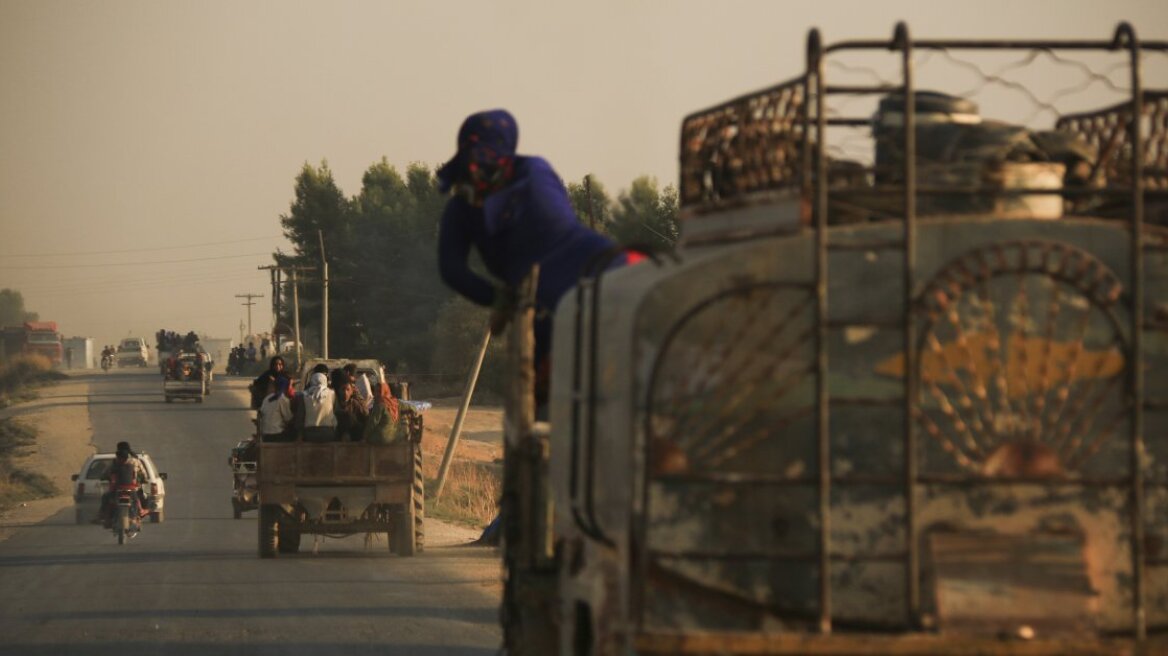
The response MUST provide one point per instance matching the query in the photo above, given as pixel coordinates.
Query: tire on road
(408, 537)
(269, 528)
(80, 516)
(289, 542)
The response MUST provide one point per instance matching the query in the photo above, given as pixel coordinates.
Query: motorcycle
(106, 363)
(127, 520)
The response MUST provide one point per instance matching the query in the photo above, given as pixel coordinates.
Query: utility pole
(324, 282)
(294, 280)
(249, 303)
(296, 316)
(588, 193)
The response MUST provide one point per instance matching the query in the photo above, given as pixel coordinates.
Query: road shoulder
(60, 414)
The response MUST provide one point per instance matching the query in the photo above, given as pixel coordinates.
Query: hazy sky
(147, 149)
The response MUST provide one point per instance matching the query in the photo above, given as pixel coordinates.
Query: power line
(112, 264)
(141, 250)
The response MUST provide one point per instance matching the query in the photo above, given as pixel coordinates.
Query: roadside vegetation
(22, 374)
(17, 484)
(470, 496)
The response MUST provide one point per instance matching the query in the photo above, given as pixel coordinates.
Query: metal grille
(1107, 131)
(749, 144)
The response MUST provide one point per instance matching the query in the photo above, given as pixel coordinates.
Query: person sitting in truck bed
(382, 424)
(276, 412)
(315, 410)
(350, 411)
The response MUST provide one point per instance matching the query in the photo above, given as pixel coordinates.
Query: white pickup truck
(132, 351)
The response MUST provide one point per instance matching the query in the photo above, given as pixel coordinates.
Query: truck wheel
(269, 531)
(199, 399)
(419, 495)
(409, 533)
(289, 541)
(80, 517)
(403, 533)
(170, 399)
(236, 511)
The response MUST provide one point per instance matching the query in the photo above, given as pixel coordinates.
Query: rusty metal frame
(811, 181)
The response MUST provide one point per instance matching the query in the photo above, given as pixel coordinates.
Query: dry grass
(18, 484)
(470, 495)
(21, 373)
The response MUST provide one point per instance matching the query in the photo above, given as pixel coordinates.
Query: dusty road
(193, 584)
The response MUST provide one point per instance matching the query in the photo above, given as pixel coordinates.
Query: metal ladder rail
(907, 245)
(1125, 36)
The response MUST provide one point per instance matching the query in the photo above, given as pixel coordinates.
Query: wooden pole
(456, 430)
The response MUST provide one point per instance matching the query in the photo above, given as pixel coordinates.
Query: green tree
(645, 215)
(594, 210)
(321, 209)
(12, 312)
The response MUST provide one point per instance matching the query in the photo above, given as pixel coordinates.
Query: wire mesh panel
(750, 144)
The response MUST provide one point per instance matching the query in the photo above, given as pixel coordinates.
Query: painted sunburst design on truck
(1021, 359)
(737, 369)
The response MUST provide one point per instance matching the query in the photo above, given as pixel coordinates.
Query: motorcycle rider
(126, 469)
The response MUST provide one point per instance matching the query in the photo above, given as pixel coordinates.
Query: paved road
(194, 585)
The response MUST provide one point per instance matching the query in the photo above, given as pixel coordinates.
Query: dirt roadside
(60, 414)
(482, 432)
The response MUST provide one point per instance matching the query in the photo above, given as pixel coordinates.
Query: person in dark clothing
(126, 469)
(351, 413)
(514, 210)
(259, 386)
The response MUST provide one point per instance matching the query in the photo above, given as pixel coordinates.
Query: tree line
(386, 300)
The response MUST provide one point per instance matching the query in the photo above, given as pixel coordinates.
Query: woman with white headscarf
(318, 422)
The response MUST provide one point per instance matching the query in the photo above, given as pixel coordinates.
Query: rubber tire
(80, 517)
(158, 516)
(199, 400)
(269, 531)
(170, 399)
(419, 494)
(289, 541)
(410, 531)
(123, 524)
(236, 510)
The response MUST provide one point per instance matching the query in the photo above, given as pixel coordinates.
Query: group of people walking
(338, 406)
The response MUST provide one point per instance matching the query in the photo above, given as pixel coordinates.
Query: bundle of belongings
(967, 165)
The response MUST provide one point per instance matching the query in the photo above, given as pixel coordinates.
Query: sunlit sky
(147, 149)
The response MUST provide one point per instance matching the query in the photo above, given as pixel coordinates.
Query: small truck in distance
(343, 488)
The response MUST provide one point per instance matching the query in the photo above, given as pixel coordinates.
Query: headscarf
(486, 141)
(365, 391)
(317, 387)
(385, 397)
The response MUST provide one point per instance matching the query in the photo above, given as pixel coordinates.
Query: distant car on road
(88, 487)
(132, 351)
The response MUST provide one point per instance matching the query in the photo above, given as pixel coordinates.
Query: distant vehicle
(133, 352)
(34, 338)
(88, 487)
(187, 379)
(350, 487)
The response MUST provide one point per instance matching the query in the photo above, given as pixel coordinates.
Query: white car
(88, 487)
(132, 352)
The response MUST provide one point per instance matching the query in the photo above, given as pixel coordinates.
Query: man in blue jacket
(514, 210)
